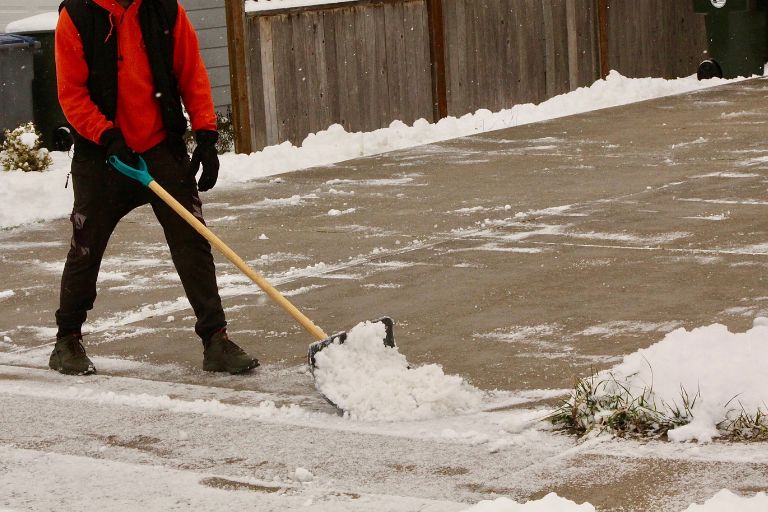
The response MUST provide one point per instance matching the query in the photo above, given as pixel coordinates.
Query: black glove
(113, 140)
(205, 153)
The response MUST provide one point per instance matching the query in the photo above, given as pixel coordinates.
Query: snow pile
(34, 196)
(708, 381)
(372, 382)
(29, 198)
(336, 144)
(549, 503)
(726, 501)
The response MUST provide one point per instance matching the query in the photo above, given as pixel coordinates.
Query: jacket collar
(112, 6)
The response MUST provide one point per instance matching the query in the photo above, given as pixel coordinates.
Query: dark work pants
(102, 197)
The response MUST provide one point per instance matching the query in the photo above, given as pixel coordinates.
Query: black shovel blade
(341, 337)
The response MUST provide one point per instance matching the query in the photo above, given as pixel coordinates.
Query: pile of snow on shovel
(372, 382)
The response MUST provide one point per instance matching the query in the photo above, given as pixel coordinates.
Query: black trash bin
(49, 118)
(737, 31)
(16, 75)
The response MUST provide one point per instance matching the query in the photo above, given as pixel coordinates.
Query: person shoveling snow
(129, 112)
(370, 381)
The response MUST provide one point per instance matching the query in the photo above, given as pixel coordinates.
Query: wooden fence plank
(332, 86)
(286, 88)
(271, 131)
(367, 32)
(437, 58)
(381, 100)
(257, 104)
(239, 72)
(397, 74)
(588, 42)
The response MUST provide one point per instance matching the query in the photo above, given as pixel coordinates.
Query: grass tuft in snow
(744, 425)
(601, 403)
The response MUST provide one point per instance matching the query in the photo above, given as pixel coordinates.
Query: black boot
(222, 355)
(68, 356)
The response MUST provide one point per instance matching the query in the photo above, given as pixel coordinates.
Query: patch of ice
(727, 174)
(372, 382)
(715, 217)
(624, 327)
(700, 140)
(746, 202)
(337, 213)
(629, 238)
(6, 294)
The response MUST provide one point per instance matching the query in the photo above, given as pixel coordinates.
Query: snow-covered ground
(32, 197)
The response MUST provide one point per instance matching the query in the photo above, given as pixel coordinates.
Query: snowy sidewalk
(518, 259)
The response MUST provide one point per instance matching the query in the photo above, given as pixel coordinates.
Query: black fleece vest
(157, 19)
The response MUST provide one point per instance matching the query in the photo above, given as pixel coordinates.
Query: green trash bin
(737, 31)
(49, 118)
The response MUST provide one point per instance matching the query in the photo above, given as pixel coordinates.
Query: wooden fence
(366, 63)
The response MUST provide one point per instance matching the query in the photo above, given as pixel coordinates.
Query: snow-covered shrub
(21, 150)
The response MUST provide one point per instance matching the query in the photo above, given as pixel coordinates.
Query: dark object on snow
(737, 31)
(68, 356)
(222, 355)
(709, 69)
(16, 75)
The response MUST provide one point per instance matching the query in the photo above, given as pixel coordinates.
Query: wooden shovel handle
(254, 276)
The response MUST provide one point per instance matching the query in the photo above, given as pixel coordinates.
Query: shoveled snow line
(712, 252)
(737, 453)
(265, 411)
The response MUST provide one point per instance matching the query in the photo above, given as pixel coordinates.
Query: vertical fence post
(602, 31)
(437, 58)
(572, 32)
(238, 75)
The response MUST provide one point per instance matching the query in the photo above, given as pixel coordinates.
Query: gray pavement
(520, 259)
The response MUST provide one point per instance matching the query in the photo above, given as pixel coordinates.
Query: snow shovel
(323, 340)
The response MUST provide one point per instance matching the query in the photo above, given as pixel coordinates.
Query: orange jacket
(138, 113)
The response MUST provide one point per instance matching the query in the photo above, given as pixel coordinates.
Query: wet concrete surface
(520, 259)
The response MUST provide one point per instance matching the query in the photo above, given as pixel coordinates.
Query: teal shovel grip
(141, 174)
